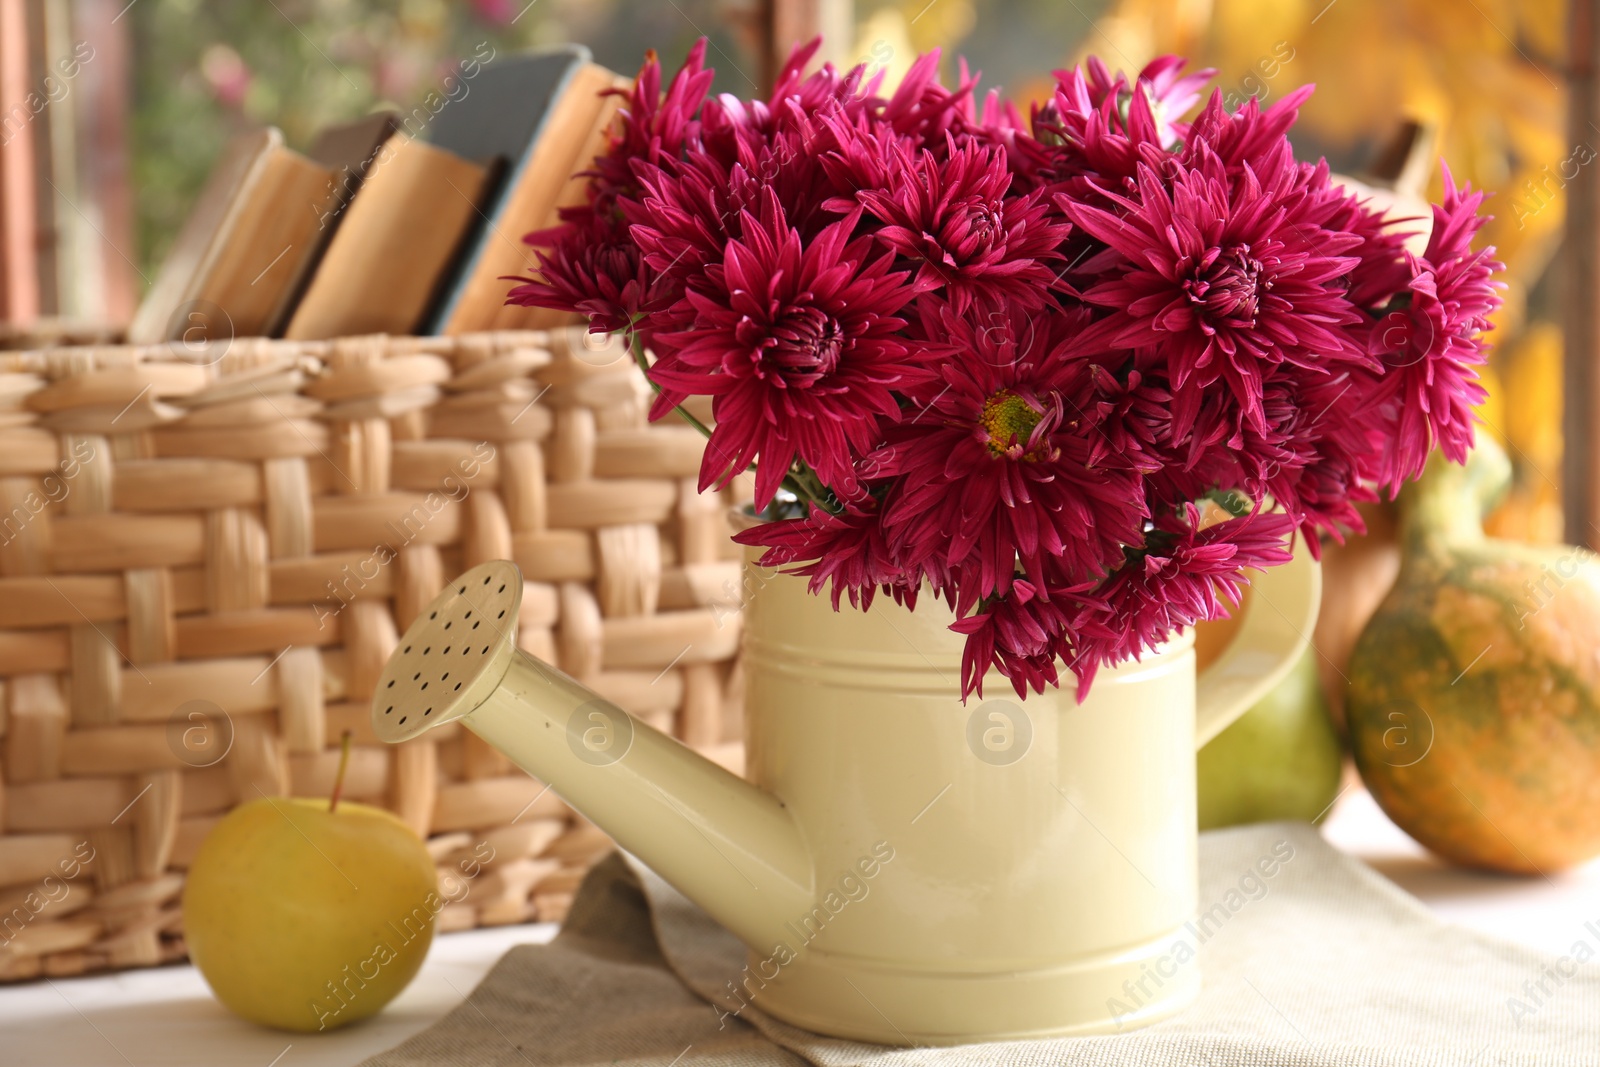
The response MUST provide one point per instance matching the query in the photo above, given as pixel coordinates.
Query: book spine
(456, 308)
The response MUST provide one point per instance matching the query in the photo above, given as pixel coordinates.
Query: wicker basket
(206, 557)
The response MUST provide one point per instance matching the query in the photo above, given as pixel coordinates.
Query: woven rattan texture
(207, 554)
(43, 333)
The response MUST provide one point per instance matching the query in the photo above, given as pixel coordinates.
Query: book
(395, 243)
(506, 115)
(348, 151)
(240, 248)
(533, 184)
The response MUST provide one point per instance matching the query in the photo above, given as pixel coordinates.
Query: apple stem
(338, 779)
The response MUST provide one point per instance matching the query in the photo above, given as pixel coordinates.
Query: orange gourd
(1474, 697)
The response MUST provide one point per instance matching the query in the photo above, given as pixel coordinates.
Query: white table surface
(165, 1016)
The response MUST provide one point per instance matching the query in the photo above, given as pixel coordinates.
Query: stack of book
(399, 224)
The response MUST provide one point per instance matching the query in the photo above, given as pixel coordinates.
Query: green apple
(306, 914)
(1281, 759)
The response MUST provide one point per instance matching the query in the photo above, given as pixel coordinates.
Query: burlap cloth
(1324, 963)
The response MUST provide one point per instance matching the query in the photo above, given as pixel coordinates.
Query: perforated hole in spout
(433, 675)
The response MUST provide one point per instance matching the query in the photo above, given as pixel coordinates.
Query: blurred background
(113, 117)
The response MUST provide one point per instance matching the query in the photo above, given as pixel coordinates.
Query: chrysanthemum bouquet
(1073, 373)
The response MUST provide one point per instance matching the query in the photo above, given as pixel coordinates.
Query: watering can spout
(730, 847)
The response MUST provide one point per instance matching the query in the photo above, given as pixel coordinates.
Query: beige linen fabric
(1323, 962)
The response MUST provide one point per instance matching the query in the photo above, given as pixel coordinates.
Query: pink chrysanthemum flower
(1131, 412)
(1181, 577)
(1217, 278)
(923, 111)
(1171, 93)
(1432, 347)
(992, 462)
(1242, 137)
(655, 126)
(1022, 634)
(797, 346)
(953, 219)
(606, 281)
(847, 549)
(1099, 127)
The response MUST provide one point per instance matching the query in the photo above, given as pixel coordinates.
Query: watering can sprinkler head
(454, 656)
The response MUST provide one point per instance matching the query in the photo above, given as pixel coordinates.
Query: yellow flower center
(1008, 420)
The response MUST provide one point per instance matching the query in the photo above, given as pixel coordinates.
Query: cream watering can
(903, 868)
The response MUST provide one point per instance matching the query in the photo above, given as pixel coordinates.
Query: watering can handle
(1278, 619)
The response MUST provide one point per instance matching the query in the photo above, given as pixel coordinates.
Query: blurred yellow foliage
(1486, 72)
(1531, 397)
(890, 37)
(936, 25)
(883, 43)
(1491, 412)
